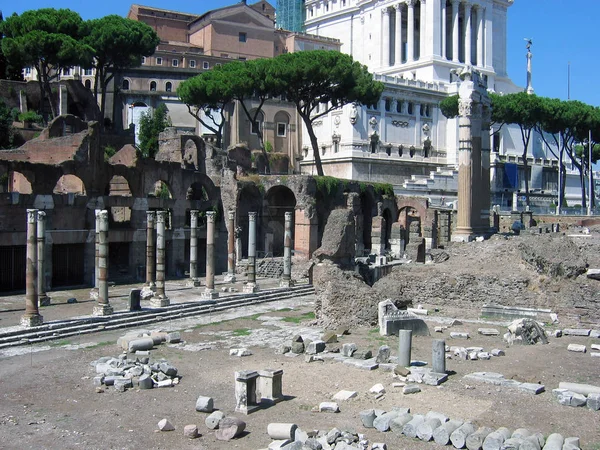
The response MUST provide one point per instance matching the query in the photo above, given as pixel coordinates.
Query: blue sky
(563, 31)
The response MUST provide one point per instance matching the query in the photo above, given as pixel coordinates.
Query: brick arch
(421, 205)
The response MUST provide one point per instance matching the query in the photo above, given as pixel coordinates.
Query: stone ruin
(391, 320)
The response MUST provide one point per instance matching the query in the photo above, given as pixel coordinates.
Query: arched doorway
(134, 116)
(69, 184)
(278, 201)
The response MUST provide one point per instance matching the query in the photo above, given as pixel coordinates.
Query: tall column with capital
(286, 279)
(251, 285)
(480, 35)
(465, 201)
(210, 292)
(32, 317)
(103, 307)
(230, 277)
(410, 35)
(43, 299)
(398, 37)
(468, 32)
(455, 29)
(194, 280)
(150, 257)
(485, 168)
(385, 37)
(422, 29)
(160, 299)
(96, 247)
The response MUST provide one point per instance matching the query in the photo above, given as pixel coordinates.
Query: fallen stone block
(173, 337)
(488, 332)
(460, 435)
(315, 347)
(168, 369)
(345, 395)
(498, 352)
(145, 382)
(554, 442)
(585, 389)
(595, 346)
(165, 383)
(475, 440)
(382, 423)
(331, 407)
(441, 435)
(398, 422)
(499, 380)
(459, 335)
(378, 446)
(571, 443)
(434, 379)
(279, 444)
(282, 431)
(239, 352)
(483, 355)
(368, 364)
(576, 348)
(332, 435)
(349, 349)
(140, 344)
(410, 428)
(426, 429)
(593, 401)
(383, 354)
(411, 389)
(230, 428)
(569, 398)
(212, 421)
(204, 404)
(595, 334)
(367, 417)
(576, 331)
(438, 329)
(190, 431)
(377, 389)
(329, 337)
(595, 354)
(165, 425)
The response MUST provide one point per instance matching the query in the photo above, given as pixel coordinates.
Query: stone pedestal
(270, 385)
(160, 299)
(231, 233)
(103, 307)
(150, 256)
(245, 391)
(194, 281)
(43, 299)
(250, 288)
(102, 310)
(210, 292)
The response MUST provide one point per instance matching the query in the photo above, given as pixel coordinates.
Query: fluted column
(455, 32)
(160, 299)
(410, 35)
(230, 277)
(398, 44)
(385, 37)
(32, 316)
(423, 30)
(194, 280)
(465, 169)
(251, 285)
(150, 257)
(444, 52)
(103, 307)
(43, 299)
(485, 168)
(480, 35)
(468, 33)
(286, 279)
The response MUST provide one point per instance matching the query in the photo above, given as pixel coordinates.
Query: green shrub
(30, 116)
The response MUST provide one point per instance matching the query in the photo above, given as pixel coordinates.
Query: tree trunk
(582, 182)
(314, 142)
(562, 177)
(48, 90)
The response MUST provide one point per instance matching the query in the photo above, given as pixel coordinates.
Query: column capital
(161, 216)
(252, 216)
(102, 215)
(288, 215)
(455, 2)
(465, 107)
(41, 216)
(32, 215)
(411, 3)
(194, 218)
(385, 11)
(210, 216)
(398, 6)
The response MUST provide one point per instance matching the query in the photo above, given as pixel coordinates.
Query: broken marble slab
(499, 380)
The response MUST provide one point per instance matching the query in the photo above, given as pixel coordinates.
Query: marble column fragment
(251, 285)
(231, 256)
(404, 347)
(150, 257)
(438, 355)
(32, 316)
(96, 247)
(194, 280)
(286, 279)
(43, 299)
(160, 299)
(103, 307)
(210, 292)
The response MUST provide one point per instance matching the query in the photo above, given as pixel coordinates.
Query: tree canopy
(49, 40)
(151, 125)
(118, 43)
(9, 70)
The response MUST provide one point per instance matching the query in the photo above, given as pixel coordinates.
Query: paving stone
(329, 407)
(382, 423)
(348, 349)
(576, 348)
(576, 331)
(190, 431)
(499, 380)
(165, 425)
(595, 334)
(387, 367)
(212, 421)
(593, 401)
(367, 417)
(204, 404)
(569, 398)
(411, 389)
(402, 371)
(367, 354)
(345, 395)
(315, 347)
(377, 389)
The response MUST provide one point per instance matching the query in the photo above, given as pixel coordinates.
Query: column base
(102, 310)
(250, 288)
(94, 294)
(151, 285)
(160, 302)
(210, 294)
(146, 293)
(44, 301)
(229, 278)
(287, 283)
(462, 237)
(32, 321)
(193, 282)
(247, 409)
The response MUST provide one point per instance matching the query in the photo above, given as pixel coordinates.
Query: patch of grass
(241, 332)
(60, 343)
(285, 310)
(253, 316)
(101, 344)
(305, 316)
(304, 407)
(374, 331)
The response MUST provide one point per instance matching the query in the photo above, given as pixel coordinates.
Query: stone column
(385, 37)
(286, 280)
(230, 277)
(480, 35)
(210, 292)
(484, 195)
(194, 280)
(410, 36)
(404, 347)
(464, 225)
(160, 299)
(455, 25)
(423, 30)
(150, 257)
(468, 33)
(398, 47)
(251, 285)
(438, 355)
(32, 317)
(43, 299)
(444, 53)
(103, 307)
(96, 246)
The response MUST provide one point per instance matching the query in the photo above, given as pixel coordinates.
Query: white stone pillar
(96, 246)
(385, 37)
(160, 299)
(150, 257)
(410, 35)
(488, 30)
(455, 26)
(103, 307)
(230, 277)
(423, 30)
(32, 317)
(43, 299)
(286, 280)
(398, 42)
(194, 280)
(210, 292)
(480, 35)
(444, 52)
(468, 33)
(251, 285)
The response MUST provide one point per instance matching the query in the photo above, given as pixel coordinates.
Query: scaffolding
(291, 15)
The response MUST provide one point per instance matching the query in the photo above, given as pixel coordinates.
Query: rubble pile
(125, 373)
(525, 331)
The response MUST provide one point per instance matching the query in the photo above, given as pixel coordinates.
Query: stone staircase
(443, 179)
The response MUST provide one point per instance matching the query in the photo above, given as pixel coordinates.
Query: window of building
(399, 106)
(192, 64)
(343, 3)
(158, 61)
(168, 86)
(27, 70)
(88, 84)
(327, 7)
(254, 127)
(242, 37)
(66, 71)
(410, 108)
(242, 58)
(224, 55)
(143, 60)
(205, 65)
(175, 62)
(153, 85)
(422, 110)
(388, 104)
(336, 146)
(125, 85)
(281, 129)
(88, 72)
